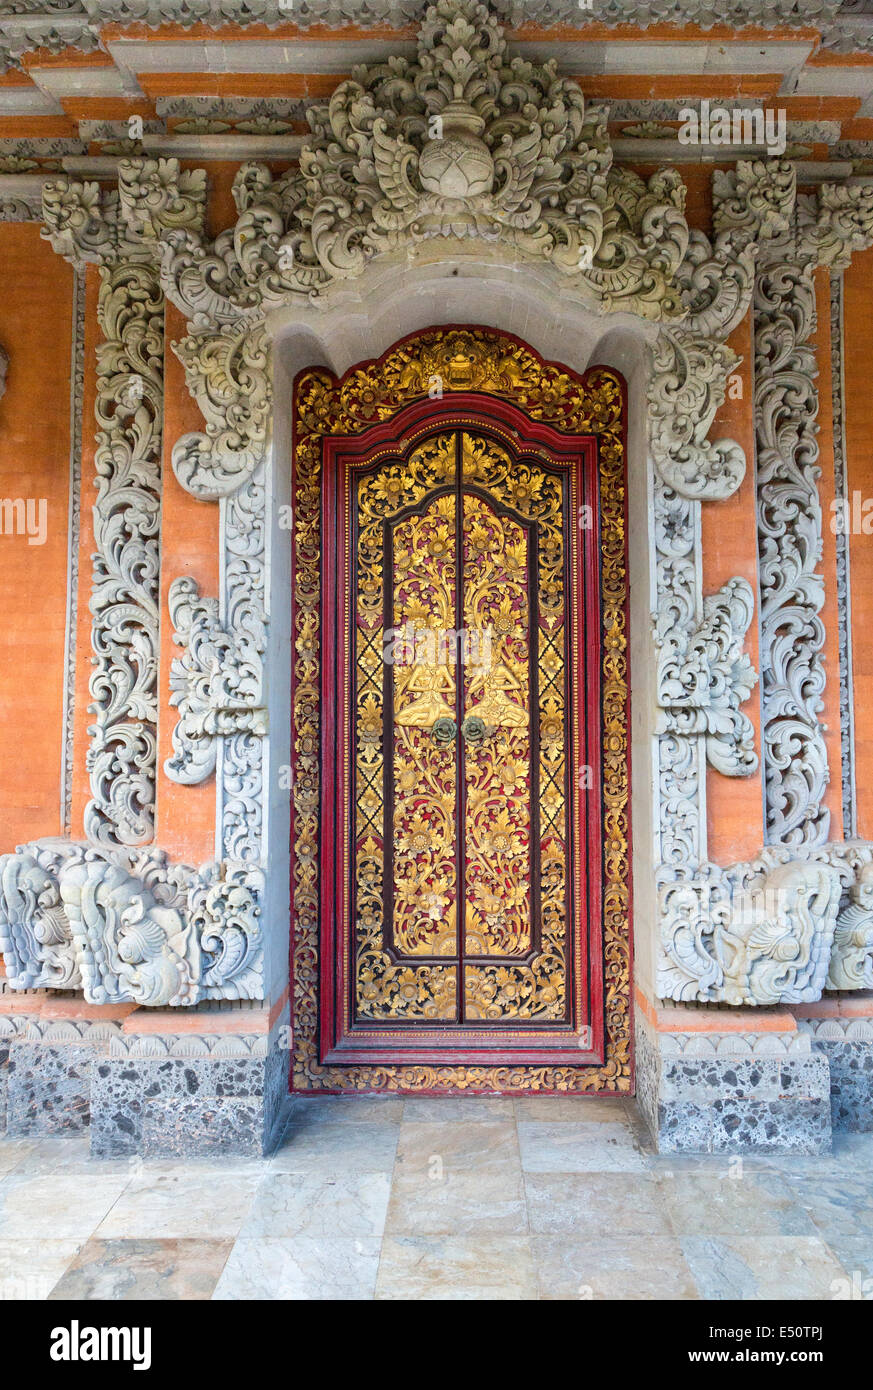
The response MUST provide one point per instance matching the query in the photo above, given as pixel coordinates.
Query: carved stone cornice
(129, 926)
(90, 224)
(217, 684)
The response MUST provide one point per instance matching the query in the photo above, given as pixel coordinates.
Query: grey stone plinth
(155, 1095)
(848, 1046)
(148, 1097)
(733, 1093)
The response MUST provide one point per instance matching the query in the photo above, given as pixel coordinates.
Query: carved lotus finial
(455, 162)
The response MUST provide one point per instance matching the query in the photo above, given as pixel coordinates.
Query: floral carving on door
(460, 707)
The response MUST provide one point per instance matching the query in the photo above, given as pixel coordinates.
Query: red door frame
(576, 454)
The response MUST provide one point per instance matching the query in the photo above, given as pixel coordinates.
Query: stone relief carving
(704, 676)
(841, 544)
(415, 152)
(789, 510)
(753, 934)
(129, 926)
(851, 965)
(125, 586)
(216, 685)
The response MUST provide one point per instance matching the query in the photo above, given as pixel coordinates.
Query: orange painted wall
(82, 719)
(729, 547)
(36, 330)
(858, 369)
(185, 821)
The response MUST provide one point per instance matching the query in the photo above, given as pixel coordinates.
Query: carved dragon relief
(460, 143)
(129, 926)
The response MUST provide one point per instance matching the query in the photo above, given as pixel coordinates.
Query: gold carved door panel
(462, 739)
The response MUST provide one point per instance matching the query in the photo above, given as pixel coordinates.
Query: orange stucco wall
(729, 547)
(36, 331)
(185, 820)
(858, 369)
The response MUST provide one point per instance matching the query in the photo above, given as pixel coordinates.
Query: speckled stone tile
(318, 1205)
(336, 1148)
(787, 1268)
(301, 1267)
(593, 1205)
(456, 1267)
(29, 1269)
(305, 1111)
(568, 1147)
(734, 1202)
(56, 1205)
(48, 1088)
(175, 1207)
(851, 1070)
(581, 1109)
(122, 1270)
(428, 1148)
(839, 1203)
(473, 1203)
(614, 1267)
(447, 1109)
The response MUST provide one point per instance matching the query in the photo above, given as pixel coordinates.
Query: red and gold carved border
(484, 361)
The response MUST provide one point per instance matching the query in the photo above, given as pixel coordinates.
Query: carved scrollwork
(704, 676)
(124, 598)
(754, 934)
(130, 926)
(216, 685)
(851, 965)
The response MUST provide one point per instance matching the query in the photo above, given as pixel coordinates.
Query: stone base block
(848, 1046)
(733, 1093)
(154, 1095)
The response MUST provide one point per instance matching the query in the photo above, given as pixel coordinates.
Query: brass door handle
(474, 729)
(444, 731)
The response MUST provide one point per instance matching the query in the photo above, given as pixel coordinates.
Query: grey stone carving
(126, 576)
(704, 676)
(851, 964)
(753, 934)
(789, 509)
(129, 926)
(844, 583)
(216, 685)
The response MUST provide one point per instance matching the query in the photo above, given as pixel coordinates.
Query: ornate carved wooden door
(462, 736)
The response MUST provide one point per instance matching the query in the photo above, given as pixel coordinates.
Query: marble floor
(425, 1198)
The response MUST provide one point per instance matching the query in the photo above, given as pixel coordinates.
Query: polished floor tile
(145, 1269)
(591, 1205)
(438, 1198)
(173, 1207)
(343, 1147)
(575, 1147)
(319, 1206)
(301, 1267)
(611, 1267)
(456, 1267)
(466, 1202)
(30, 1269)
(755, 1267)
